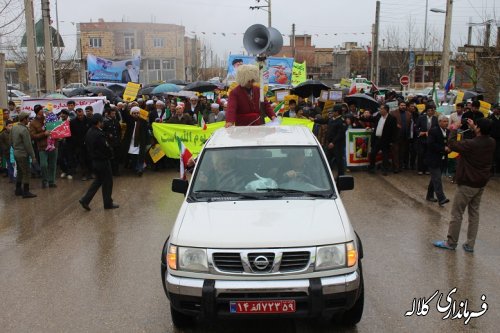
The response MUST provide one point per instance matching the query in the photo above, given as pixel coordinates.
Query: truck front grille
(228, 262)
(294, 261)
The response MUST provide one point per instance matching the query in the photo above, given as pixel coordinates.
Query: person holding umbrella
(244, 100)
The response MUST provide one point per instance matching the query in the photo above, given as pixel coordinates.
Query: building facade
(160, 46)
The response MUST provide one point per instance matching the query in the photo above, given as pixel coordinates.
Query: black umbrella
(469, 94)
(146, 91)
(96, 90)
(117, 89)
(79, 92)
(310, 87)
(177, 82)
(363, 101)
(200, 86)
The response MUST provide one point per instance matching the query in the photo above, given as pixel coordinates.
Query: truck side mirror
(345, 183)
(180, 186)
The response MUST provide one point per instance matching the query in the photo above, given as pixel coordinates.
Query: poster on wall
(110, 71)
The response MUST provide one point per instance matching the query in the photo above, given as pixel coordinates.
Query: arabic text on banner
(299, 74)
(131, 91)
(58, 104)
(194, 137)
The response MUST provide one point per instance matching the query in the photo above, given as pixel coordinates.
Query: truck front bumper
(313, 297)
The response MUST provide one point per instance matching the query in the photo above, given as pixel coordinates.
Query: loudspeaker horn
(259, 39)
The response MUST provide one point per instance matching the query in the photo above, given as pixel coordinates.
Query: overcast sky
(349, 20)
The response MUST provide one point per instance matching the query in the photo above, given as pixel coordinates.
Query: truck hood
(260, 224)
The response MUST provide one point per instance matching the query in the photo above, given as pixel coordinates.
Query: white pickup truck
(263, 232)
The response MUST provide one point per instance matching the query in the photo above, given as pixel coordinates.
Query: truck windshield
(263, 172)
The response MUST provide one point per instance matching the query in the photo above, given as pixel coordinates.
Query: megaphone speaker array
(259, 39)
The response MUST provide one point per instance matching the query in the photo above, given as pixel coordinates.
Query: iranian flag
(58, 129)
(185, 155)
(280, 108)
(201, 121)
(352, 89)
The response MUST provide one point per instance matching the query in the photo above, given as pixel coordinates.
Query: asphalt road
(63, 269)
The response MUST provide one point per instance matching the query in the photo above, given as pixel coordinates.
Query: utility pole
(3, 84)
(372, 56)
(425, 42)
(58, 45)
(33, 74)
(293, 40)
(375, 72)
(487, 34)
(269, 13)
(445, 61)
(47, 48)
(194, 59)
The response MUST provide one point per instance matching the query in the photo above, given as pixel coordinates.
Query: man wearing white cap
(160, 109)
(215, 114)
(135, 140)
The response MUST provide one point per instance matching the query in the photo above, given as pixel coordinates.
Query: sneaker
(443, 202)
(69, 177)
(84, 178)
(431, 199)
(443, 245)
(467, 248)
(420, 173)
(63, 175)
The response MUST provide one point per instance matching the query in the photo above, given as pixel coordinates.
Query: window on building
(154, 64)
(169, 64)
(129, 39)
(158, 42)
(95, 42)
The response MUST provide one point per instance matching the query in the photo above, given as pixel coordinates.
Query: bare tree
(11, 17)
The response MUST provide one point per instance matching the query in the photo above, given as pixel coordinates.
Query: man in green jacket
(23, 149)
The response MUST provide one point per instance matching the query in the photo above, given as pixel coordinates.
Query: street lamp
(268, 10)
(434, 10)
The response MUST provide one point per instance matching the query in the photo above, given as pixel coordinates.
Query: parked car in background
(70, 87)
(17, 96)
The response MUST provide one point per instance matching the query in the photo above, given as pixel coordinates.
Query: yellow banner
(420, 108)
(1, 119)
(287, 100)
(131, 91)
(328, 107)
(345, 83)
(144, 114)
(299, 73)
(156, 153)
(194, 137)
(460, 97)
(485, 108)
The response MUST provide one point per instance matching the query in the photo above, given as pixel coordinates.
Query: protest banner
(299, 73)
(131, 91)
(1, 119)
(358, 148)
(392, 105)
(194, 137)
(280, 95)
(420, 108)
(276, 71)
(323, 96)
(58, 104)
(105, 70)
(460, 97)
(144, 114)
(156, 153)
(335, 95)
(485, 108)
(345, 83)
(328, 107)
(58, 129)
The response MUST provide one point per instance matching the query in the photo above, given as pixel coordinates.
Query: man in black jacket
(437, 152)
(335, 138)
(79, 127)
(113, 132)
(383, 136)
(426, 121)
(100, 153)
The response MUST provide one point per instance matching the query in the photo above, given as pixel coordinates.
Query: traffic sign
(404, 80)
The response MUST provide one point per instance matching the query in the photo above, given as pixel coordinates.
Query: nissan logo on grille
(261, 262)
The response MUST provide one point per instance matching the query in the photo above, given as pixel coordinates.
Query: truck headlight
(330, 257)
(192, 259)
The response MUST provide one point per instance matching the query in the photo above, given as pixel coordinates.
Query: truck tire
(180, 319)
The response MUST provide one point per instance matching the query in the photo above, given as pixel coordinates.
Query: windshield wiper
(226, 193)
(284, 191)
